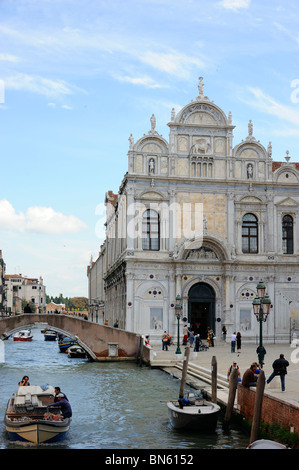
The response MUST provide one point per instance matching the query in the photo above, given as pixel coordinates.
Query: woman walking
(239, 340)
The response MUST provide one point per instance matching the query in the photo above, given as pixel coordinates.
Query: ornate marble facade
(199, 217)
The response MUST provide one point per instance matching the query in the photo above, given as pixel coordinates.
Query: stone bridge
(102, 343)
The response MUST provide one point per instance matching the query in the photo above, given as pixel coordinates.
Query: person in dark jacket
(64, 405)
(249, 379)
(279, 368)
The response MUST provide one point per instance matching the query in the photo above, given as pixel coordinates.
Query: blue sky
(77, 77)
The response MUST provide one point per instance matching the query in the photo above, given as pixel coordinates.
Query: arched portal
(201, 308)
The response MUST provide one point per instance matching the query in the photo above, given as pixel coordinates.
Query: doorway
(201, 308)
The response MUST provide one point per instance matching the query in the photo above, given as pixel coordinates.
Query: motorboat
(266, 444)
(50, 335)
(65, 343)
(193, 414)
(27, 417)
(23, 335)
(76, 351)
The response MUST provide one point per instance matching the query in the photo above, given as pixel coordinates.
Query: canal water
(115, 405)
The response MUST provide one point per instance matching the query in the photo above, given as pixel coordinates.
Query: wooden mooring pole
(214, 379)
(260, 386)
(233, 381)
(184, 372)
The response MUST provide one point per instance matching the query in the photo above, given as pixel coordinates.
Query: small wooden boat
(193, 414)
(23, 335)
(65, 343)
(50, 335)
(76, 351)
(27, 418)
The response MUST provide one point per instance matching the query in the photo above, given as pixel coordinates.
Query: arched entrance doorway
(201, 308)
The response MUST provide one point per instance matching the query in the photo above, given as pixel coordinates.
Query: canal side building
(199, 217)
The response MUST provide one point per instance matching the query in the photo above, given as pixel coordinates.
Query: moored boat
(23, 335)
(193, 414)
(66, 342)
(76, 351)
(266, 444)
(27, 418)
(50, 335)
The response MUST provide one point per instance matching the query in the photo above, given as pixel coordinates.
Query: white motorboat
(27, 417)
(76, 351)
(23, 335)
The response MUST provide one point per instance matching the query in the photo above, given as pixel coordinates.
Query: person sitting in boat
(63, 404)
(57, 392)
(25, 381)
(146, 342)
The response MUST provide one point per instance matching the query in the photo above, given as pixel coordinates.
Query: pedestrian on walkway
(233, 342)
(211, 337)
(279, 368)
(224, 331)
(230, 369)
(196, 342)
(239, 341)
(165, 340)
(191, 338)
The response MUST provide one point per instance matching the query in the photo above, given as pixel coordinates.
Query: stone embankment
(278, 407)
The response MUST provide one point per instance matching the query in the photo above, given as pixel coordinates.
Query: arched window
(249, 234)
(150, 230)
(287, 235)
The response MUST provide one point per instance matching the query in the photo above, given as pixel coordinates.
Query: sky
(78, 77)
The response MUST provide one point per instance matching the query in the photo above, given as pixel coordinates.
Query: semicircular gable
(249, 150)
(287, 176)
(204, 113)
(152, 145)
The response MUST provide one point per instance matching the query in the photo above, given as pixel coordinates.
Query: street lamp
(261, 309)
(178, 313)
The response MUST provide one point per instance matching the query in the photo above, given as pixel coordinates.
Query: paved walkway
(224, 359)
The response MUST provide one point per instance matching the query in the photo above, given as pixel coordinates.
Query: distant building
(52, 307)
(20, 288)
(203, 219)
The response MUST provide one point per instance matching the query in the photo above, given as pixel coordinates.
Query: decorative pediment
(250, 200)
(288, 202)
(151, 196)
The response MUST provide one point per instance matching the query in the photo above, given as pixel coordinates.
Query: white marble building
(199, 217)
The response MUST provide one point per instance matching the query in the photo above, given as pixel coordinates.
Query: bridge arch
(93, 338)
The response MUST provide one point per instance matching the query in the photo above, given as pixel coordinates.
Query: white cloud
(235, 4)
(46, 220)
(9, 219)
(268, 105)
(37, 84)
(38, 219)
(174, 63)
(8, 58)
(143, 81)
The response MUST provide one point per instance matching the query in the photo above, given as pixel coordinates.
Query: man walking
(279, 368)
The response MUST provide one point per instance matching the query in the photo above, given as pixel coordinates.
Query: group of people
(236, 340)
(251, 375)
(60, 399)
(192, 339)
